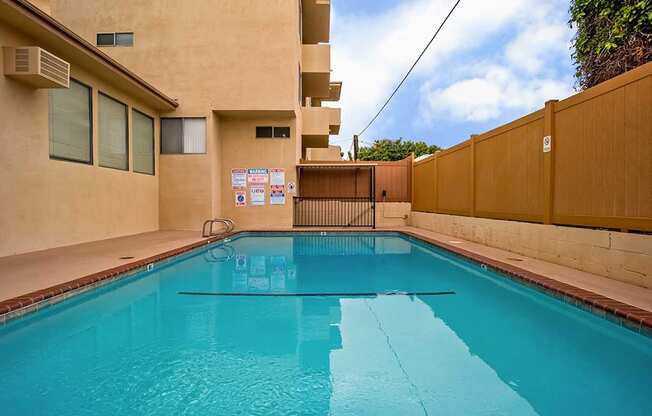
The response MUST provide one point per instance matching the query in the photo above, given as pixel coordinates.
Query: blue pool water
(138, 347)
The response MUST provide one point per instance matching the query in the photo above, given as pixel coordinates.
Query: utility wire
(411, 68)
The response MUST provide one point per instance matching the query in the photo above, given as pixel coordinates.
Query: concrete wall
(392, 214)
(621, 256)
(48, 203)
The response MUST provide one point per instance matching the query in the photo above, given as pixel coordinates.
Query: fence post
(548, 148)
(472, 139)
(434, 182)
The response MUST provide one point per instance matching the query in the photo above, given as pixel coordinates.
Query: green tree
(388, 150)
(613, 36)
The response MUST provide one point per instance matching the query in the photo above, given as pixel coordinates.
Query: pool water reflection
(494, 347)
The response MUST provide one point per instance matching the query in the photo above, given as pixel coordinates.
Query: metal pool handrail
(228, 224)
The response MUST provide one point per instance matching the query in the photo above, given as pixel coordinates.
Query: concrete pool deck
(27, 277)
(25, 273)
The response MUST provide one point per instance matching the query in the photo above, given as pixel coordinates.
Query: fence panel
(597, 171)
(603, 158)
(509, 171)
(394, 179)
(423, 198)
(454, 191)
(343, 182)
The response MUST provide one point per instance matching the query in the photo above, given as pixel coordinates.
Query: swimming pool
(163, 343)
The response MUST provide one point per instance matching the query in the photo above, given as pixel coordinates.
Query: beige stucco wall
(622, 256)
(240, 149)
(47, 203)
(392, 214)
(329, 153)
(220, 59)
(233, 54)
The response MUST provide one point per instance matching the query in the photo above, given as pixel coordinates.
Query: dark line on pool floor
(414, 388)
(350, 295)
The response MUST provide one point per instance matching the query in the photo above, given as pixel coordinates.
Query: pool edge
(628, 316)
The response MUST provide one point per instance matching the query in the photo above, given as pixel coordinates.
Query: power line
(411, 68)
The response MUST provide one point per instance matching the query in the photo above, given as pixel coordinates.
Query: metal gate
(334, 212)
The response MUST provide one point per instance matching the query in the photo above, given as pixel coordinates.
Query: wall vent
(36, 67)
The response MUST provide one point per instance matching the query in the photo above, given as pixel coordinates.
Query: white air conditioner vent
(36, 67)
(22, 60)
(56, 69)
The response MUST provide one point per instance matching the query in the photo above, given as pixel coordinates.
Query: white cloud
(372, 52)
(534, 47)
(485, 98)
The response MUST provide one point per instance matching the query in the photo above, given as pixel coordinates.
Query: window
(281, 132)
(268, 132)
(115, 39)
(264, 132)
(114, 148)
(106, 39)
(70, 123)
(143, 142)
(183, 135)
(124, 39)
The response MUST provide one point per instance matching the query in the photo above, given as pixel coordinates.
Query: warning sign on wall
(277, 177)
(238, 178)
(277, 195)
(240, 198)
(257, 176)
(257, 195)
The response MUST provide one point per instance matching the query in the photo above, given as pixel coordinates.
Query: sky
(493, 62)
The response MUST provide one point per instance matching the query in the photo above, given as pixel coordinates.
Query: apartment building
(247, 77)
(246, 69)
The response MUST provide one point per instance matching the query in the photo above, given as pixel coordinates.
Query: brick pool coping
(636, 319)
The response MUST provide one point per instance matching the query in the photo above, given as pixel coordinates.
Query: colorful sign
(277, 177)
(257, 195)
(238, 178)
(257, 176)
(277, 195)
(292, 188)
(240, 198)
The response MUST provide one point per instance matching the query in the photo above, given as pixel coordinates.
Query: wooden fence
(597, 171)
(395, 179)
(349, 180)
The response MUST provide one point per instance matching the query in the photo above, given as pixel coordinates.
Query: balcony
(334, 92)
(335, 120)
(318, 124)
(316, 21)
(316, 70)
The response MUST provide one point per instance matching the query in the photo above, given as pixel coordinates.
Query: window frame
(91, 125)
(115, 39)
(99, 139)
(104, 33)
(153, 142)
(182, 130)
(274, 136)
(273, 133)
(133, 38)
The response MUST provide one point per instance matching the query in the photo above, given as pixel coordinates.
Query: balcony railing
(334, 212)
